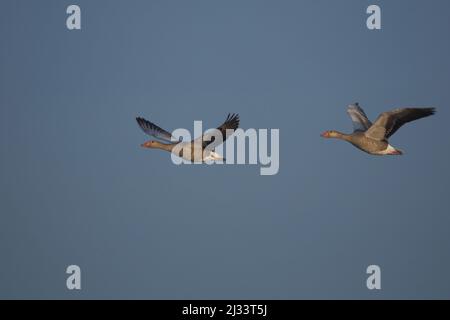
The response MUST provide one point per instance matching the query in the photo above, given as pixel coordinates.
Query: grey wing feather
(389, 122)
(231, 123)
(359, 118)
(153, 130)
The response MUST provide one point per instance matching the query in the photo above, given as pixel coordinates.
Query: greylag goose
(200, 149)
(373, 138)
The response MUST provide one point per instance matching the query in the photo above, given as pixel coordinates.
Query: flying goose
(373, 138)
(200, 148)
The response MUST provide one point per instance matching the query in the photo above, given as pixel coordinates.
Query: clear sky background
(76, 188)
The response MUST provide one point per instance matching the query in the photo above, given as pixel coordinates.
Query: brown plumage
(373, 138)
(199, 149)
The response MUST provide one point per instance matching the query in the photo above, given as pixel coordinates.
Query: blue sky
(77, 188)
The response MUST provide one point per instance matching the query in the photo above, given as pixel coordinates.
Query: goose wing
(359, 118)
(231, 123)
(389, 122)
(153, 130)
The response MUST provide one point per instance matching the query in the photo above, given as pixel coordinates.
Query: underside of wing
(153, 130)
(359, 118)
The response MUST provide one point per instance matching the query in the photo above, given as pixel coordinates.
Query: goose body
(373, 138)
(199, 149)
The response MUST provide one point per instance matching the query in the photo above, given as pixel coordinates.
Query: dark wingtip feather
(425, 112)
(141, 122)
(146, 125)
(234, 120)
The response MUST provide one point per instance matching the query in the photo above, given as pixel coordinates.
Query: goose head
(330, 134)
(149, 144)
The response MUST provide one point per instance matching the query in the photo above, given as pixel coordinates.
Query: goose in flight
(373, 138)
(199, 149)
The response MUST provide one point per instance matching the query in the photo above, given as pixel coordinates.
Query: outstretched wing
(231, 123)
(359, 118)
(389, 122)
(153, 130)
